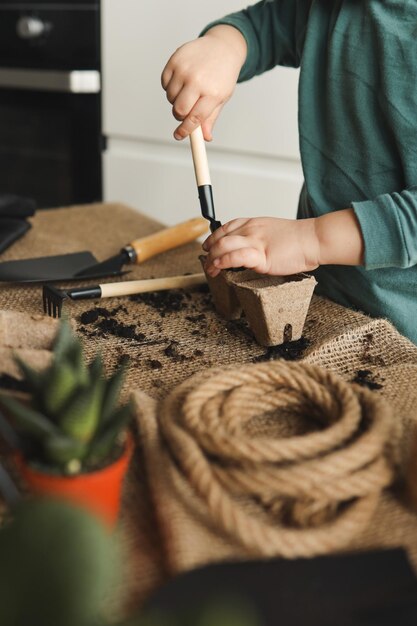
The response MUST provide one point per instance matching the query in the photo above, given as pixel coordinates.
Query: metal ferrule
(205, 195)
(130, 253)
(85, 293)
(214, 225)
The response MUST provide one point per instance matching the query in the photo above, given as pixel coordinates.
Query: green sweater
(358, 132)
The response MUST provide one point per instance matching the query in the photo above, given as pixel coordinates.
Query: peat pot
(275, 306)
(223, 293)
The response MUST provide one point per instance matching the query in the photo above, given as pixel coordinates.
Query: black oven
(50, 101)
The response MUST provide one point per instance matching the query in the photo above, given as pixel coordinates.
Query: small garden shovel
(83, 265)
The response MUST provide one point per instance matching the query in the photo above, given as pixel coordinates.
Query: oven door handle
(74, 81)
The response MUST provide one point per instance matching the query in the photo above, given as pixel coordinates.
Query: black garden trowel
(84, 265)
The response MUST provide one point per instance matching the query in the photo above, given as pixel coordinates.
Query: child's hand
(200, 77)
(267, 245)
(270, 245)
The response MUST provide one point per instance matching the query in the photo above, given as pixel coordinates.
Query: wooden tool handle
(198, 149)
(130, 287)
(169, 238)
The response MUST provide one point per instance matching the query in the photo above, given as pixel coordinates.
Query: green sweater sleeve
(389, 228)
(274, 31)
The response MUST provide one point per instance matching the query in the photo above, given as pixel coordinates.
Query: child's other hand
(267, 245)
(200, 77)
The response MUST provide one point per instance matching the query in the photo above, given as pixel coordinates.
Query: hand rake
(54, 298)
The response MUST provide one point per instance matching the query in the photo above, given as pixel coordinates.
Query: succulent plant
(74, 420)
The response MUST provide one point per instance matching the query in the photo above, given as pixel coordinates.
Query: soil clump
(164, 302)
(13, 384)
(289, 351)
(365, 378)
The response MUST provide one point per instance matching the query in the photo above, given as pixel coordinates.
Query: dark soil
(164, 302)
(289, 351)
(118, 329)
(154, 364)
(367, 356)
(123, 359)
(109, 325)
(240, 328)
(13, 384)
(365, 378)
(196, 318)
(174, 354)
(91, 316)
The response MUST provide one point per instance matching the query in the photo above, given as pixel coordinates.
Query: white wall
(254, 159)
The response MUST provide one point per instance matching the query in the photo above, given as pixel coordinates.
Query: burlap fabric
(190, 536)
(173, 338)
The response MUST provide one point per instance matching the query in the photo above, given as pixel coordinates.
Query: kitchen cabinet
(254, 158)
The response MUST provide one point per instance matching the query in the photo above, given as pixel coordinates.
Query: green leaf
(77, 360)
(61, 384)
(81, 417)
(112, 393)
(60, 450)
(68, 347)
(34, 378)
(27, 420)
(95, 368)
(64, 341)
(103, 443)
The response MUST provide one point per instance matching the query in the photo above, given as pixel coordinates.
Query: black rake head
(53, 299)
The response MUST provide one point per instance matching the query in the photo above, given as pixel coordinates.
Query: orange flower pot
(99, 492)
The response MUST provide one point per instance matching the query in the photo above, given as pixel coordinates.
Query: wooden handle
(198, 149)
(130, 287)
(169, 238)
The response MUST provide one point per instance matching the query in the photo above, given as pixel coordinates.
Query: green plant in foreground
(74, 420)
(59, 566)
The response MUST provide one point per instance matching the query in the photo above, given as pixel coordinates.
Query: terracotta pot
(99, 491)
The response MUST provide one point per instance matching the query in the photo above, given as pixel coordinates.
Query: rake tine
(53, 299)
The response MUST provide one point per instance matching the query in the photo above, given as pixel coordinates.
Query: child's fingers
(208, 125)
(173, 88)
(166, 75)
(200, 112)
(225, 229)
(251, 258)
(228, 244)
(185, 102)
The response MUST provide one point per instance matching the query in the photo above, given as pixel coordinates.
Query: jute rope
(295, 496)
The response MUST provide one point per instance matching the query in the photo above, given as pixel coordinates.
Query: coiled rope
(296, 496)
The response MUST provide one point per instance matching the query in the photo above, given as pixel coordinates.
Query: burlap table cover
(171, 339)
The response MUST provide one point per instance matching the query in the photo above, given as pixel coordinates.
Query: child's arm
(281, 247)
